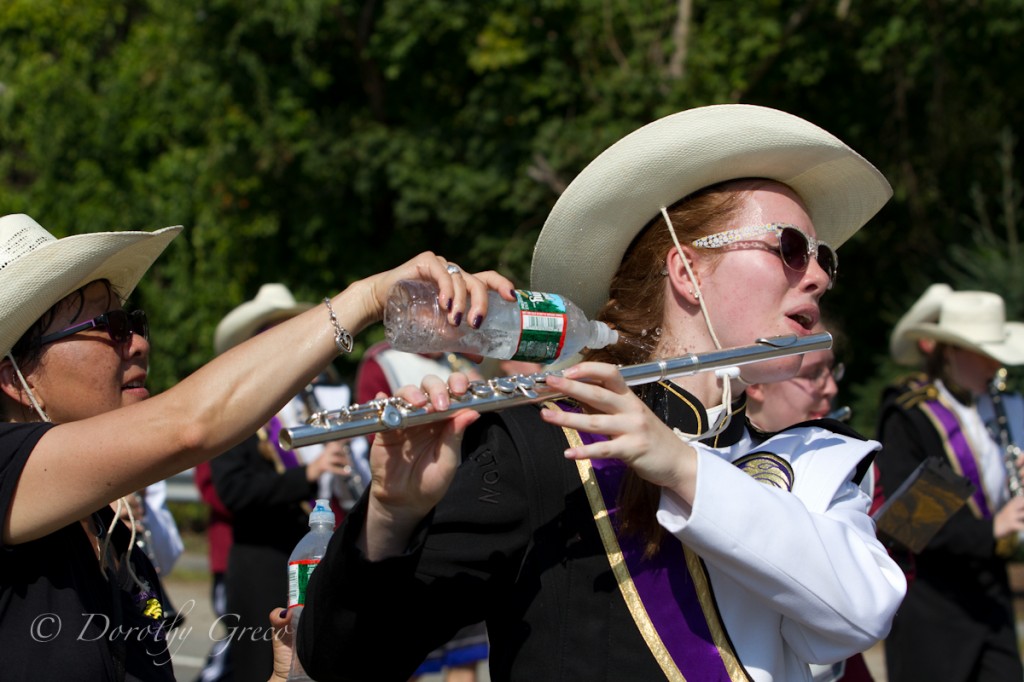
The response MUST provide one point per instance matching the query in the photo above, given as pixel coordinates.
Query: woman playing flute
(623, 535)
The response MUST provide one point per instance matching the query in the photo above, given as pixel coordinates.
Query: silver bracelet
(342, 339)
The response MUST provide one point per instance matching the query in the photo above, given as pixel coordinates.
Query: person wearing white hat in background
(79, 430)
(273, 304)
(957, 621)
(643, 535)
(268, 490)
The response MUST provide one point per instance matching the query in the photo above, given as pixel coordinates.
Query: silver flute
(386, 414)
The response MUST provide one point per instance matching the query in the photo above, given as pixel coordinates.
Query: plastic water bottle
(536, 327)
(304, 559)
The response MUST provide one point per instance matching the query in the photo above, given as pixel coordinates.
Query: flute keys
(481, 390)
(506, 385)
(526, 385)
(391, 416)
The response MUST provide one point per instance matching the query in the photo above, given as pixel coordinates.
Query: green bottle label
(544, 323)
(298, 578)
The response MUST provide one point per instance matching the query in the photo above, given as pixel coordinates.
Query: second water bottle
(301, 564)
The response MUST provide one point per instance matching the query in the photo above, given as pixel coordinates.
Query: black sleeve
(245, 480)
(907, 439)
(462, 560)
(16, 444)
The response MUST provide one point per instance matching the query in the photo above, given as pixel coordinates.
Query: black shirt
(60, 617)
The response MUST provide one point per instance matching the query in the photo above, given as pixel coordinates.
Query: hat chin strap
(24, 384)
(726, 375)
(689, 271)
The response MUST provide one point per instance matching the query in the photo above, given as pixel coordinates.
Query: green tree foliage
(316, 141)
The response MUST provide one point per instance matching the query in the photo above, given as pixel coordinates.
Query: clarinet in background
(1010, 450)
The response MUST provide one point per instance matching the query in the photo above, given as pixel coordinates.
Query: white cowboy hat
(37, 270)
(273, 303)
(610, 201)
(904, 349)
(975, 320)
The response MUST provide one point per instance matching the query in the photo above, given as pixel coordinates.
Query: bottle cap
(322, 513)
(601, 335)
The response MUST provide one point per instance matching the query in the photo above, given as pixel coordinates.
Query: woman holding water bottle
(79, 431)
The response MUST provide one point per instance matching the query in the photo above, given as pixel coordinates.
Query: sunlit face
(808, 395)
(970, 370)
(86, 374)
(751, 294)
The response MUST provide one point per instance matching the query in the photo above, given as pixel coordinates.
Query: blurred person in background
(957, 622)
(156, 525)
(267, 490)
(217, 667)
(775, 406)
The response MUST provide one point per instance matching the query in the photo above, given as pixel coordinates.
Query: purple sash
(669, 595)
(288, 458)
(959, 452)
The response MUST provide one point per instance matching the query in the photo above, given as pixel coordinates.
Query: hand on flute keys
(635, 435)
(411, 469)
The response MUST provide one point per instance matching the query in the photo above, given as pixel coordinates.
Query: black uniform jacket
(513, 543)
(959, 596)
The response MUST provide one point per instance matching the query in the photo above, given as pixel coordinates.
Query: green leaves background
(314, 142)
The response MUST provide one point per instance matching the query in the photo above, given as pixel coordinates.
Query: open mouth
(805, 321)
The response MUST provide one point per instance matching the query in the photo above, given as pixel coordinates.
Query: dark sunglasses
(119, 325)
(795, 247)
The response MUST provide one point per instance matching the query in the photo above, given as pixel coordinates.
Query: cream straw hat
(975, 320)
(37, 270)
(273, 303)
(904, 349)
(617, 194)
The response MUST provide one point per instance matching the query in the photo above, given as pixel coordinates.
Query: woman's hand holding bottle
(462, 294)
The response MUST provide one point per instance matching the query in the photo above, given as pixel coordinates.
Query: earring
(694, 292)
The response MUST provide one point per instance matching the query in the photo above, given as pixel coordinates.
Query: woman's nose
(136, 345)
(815, 279)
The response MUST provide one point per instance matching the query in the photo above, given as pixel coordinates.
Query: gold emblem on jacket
(767, 468)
